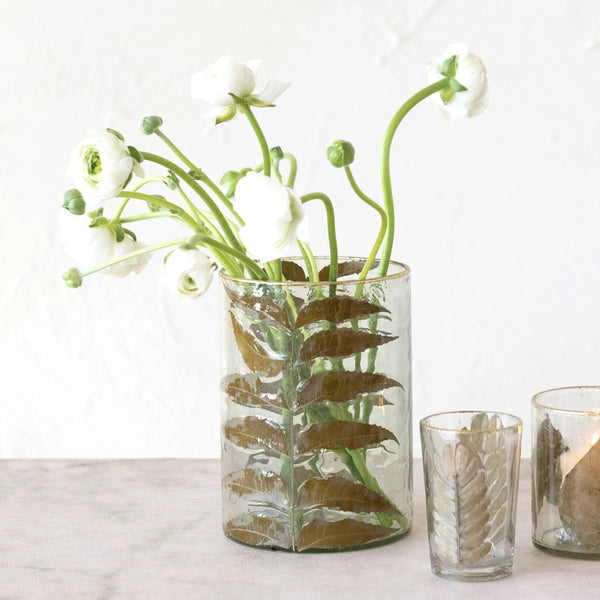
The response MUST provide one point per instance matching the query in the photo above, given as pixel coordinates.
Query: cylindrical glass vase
(316, 412)
(566, 471)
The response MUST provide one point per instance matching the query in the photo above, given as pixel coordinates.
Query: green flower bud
(73, 201)
(276, 153)
(172, 181)
(73, 278)
(341, 153)
(151, 124)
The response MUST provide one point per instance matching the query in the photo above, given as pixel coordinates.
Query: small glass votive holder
(471, 468)
(565, 471)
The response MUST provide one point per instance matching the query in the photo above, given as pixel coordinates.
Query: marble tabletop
(151, 529)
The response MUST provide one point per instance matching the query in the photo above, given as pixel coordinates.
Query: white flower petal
(471, 73)
(94, 246)
(272, 90)
(113, 166)
(222, 78)
(187, 272)
(272, 213)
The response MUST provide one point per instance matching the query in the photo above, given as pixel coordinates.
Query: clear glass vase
(316, 412)
(566, 471)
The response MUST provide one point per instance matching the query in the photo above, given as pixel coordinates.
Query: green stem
(146, 216)
(200, 218)
(200, 191)
(145, 250)
(185, 217)
(203, 177)
(224, 199)
(135, 188)
(386, 180)
(228, 263)
(180, 155)
(261, 138)
(309, 259)
(193, 208)
(252, 267)
(333, 248)
(277, 269)
(293, 168)
(382, 229)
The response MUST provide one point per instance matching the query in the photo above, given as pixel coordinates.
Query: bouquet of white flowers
(253, 218)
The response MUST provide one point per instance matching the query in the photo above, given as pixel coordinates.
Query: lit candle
(569, 459)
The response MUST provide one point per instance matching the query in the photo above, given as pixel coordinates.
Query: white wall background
(498, 216)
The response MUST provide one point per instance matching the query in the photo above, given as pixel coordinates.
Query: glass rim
(404, 271)
(535, 400)
(518, 422)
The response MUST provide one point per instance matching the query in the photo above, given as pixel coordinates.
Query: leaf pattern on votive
(460, 515)
(549, 445)
(579, 506)
(491, 445)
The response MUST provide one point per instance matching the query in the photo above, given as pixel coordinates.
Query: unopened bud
(276, 153)
(172, 181)
(73, 201)
(73, 278)
(151, 124)
(341, 153)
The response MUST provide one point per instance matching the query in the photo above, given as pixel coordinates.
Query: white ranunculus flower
(227, 76)
(187, 272)
(471, 73)
(94, 246)
(273, 215)
(101, 166)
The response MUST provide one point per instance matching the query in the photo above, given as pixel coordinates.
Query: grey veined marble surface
(151, 529)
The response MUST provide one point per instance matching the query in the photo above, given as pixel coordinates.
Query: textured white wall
(498, 216)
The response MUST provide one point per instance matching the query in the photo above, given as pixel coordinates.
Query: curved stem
(200, 191)
(261, 138)
(382, 229)
(135, 188)
(333, 248)
(252, 267)
(309, 259)
(198, 215)
(386, 181)
(224, 199)
(203, 177)
(293, 168)
(146, 216)
(185, 217)
(228, 263)
(178, 153)
(145, 250)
